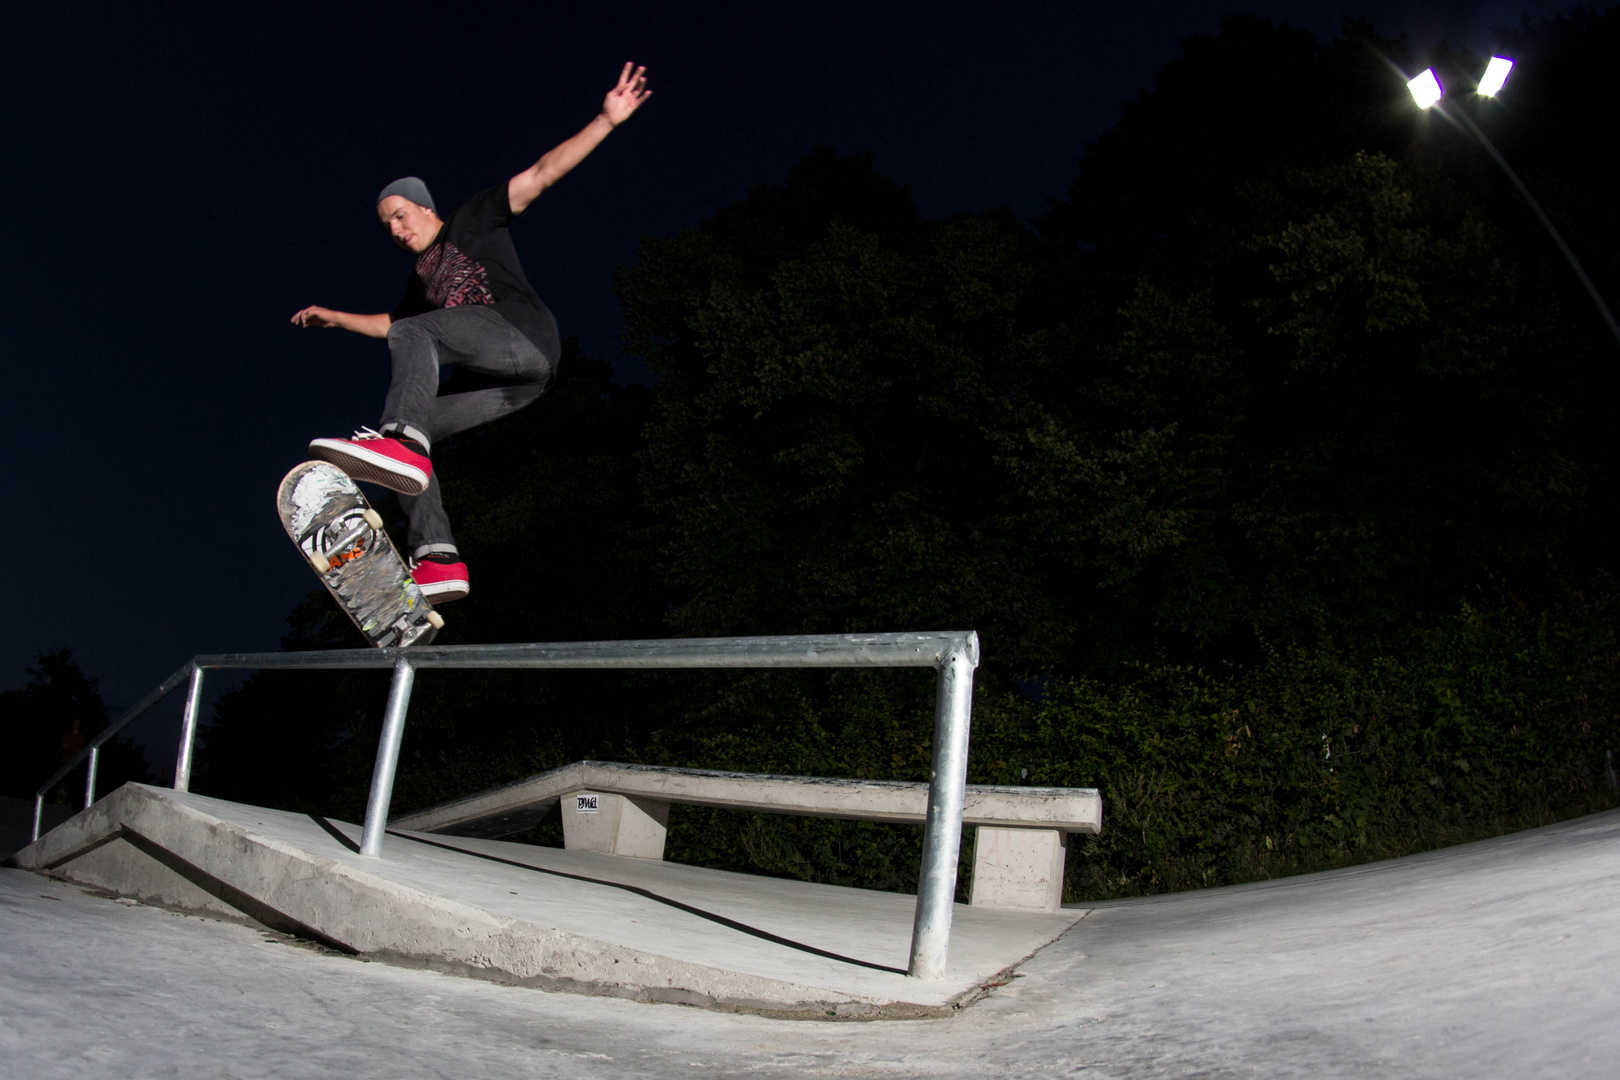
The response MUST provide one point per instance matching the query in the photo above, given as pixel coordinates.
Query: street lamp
(1426, 92)
(1425, 89)
(1496, 73)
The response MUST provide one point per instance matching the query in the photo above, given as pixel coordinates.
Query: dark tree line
(49, 719)
(1270, 466)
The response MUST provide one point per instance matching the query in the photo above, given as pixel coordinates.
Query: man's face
(413, 227)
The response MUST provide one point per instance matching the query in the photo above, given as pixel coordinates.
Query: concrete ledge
(539, 917)
(521, 805)
(619, 809)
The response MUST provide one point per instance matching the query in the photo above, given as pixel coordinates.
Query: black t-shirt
(472, 261)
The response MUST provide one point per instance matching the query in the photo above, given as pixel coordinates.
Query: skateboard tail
(381, 609)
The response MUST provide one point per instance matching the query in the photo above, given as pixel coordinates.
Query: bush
(1487, 722)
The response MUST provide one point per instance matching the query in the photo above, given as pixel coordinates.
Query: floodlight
(1496, 73)
(1425, 89)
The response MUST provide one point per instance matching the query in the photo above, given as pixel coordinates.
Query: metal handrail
(952, 654)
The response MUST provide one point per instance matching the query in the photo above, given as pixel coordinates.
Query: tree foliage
(49, 719)
(832, 372)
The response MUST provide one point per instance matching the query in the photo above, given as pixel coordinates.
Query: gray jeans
(476, 339)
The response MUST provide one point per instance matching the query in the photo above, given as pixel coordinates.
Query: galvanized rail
(952, 654)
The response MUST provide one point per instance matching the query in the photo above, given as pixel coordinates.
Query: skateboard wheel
(435, 620)
(320, 563)
(373, 518)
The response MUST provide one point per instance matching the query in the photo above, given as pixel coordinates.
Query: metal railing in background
(952, 654)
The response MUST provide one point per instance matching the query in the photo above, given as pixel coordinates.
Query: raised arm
(369, 325)
(623, 100)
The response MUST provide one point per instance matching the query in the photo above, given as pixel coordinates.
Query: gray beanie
(412, 188)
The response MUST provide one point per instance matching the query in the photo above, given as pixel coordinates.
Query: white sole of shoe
(370, 466)
(441, 592)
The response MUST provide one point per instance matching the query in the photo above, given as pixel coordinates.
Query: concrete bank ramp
(545, 917)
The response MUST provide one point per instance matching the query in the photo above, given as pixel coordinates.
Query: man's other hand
(367, 325)
(314, 317)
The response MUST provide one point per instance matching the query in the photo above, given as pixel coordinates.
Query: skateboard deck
(342, 539)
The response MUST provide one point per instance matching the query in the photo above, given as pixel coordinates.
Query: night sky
(178, 180)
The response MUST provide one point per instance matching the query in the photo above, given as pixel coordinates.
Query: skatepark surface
(1483, 960)
(541, 917)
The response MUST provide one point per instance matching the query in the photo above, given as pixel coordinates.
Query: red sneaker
(380, 459)
(440, 582)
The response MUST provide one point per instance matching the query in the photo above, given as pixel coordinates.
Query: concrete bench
(623, 810)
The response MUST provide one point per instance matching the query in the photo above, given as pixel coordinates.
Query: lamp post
(1427, 92)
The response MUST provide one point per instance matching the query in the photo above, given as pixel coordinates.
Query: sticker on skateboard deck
(342, 539)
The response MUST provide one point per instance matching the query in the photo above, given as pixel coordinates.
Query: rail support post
(382, 775)
(188, 731)
(90, 776)
(942, 830)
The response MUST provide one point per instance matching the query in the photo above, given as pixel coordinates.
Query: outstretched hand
(312, 317)
(375, 326)
(627, 96)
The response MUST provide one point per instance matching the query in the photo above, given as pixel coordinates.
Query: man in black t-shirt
(467, 303)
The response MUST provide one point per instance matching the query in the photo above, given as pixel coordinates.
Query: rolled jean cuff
(410, 432)
(434, 549)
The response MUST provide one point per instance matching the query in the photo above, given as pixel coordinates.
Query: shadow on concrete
(333, 831)
(731, 924)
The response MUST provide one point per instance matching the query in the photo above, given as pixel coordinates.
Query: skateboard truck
(321, 562)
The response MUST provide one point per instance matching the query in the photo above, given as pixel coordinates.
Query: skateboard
(342, 539)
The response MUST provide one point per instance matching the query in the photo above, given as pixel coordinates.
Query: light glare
(1425, 89)
(1496, 73)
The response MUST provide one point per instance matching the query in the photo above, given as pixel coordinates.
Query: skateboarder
(467, 303)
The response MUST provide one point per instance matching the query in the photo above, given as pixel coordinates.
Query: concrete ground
(539, 917)
(1495, 959)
